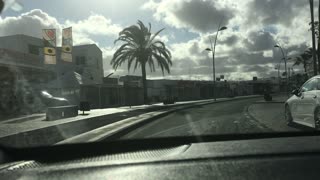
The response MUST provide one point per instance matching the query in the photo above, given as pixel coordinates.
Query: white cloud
(268, 53)
(96, 25)
(32, 22)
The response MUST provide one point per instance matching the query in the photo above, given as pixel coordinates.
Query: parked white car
(304, 106)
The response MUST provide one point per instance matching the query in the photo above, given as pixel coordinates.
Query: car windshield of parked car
(88, 71)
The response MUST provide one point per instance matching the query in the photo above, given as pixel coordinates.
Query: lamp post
(278, 68)
(213, 49)
(285, 66)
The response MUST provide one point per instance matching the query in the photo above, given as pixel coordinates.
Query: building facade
(22, 65)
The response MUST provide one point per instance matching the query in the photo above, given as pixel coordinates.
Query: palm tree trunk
(144, 83)
(315, 72)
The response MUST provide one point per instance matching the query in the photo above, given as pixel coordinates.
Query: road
(220, 118)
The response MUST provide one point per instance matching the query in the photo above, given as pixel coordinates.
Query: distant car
(51, 101)
(304, 106)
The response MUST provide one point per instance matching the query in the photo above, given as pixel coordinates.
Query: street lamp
(285, 65)
(213, 49)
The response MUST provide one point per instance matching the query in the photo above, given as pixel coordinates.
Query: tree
(304, 59)
(140, 48)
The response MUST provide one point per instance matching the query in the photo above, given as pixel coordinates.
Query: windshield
(76, 72)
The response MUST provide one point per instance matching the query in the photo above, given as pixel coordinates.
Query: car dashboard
(263, 158)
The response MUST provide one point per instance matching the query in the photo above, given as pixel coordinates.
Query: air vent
(147, 154)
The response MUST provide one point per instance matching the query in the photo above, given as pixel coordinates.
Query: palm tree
(304, 59)
(141, 48)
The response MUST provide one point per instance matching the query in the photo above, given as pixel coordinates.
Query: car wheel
(288, 115)
(317, 118)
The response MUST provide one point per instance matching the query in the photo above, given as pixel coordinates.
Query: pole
(285, 67)
(289, 78)
(213, 62)
(313, 39)
(279, 80)
(213, 71)
(318, 50)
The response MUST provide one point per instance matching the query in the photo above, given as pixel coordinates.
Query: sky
(245, 49)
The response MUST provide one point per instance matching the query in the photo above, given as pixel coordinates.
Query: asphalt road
(220, 118)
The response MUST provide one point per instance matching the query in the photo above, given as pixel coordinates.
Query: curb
(126, 129)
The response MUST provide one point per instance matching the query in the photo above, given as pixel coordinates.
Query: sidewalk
(34, 130)
(37, 121)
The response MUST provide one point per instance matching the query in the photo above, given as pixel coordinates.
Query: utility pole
(318, 50)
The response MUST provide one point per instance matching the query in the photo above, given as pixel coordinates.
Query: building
(85, 69)
(186, 90)
(130, 80)
(21, 64)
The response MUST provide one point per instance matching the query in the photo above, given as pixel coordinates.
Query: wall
(93, 67)
(101, 96)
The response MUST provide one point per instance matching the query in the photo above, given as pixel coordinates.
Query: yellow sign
(50, 51)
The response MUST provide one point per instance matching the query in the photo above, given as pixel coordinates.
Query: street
(239, 115)
(232, 117)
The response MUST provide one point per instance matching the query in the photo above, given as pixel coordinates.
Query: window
(310, 85)
(97, 61)
(80, 60)
(83, 60)
(33, 49)
(77, 60)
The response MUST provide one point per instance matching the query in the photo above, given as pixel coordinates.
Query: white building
(87, 59)
(86, 67)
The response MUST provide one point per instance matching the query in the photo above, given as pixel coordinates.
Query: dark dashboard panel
(298, 167)
(266, 158)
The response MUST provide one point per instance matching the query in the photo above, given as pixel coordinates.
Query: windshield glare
(75, 72)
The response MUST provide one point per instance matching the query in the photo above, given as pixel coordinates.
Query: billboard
(66, 48)
(49, 44)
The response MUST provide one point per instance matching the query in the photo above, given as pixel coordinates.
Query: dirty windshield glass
(86, 71)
